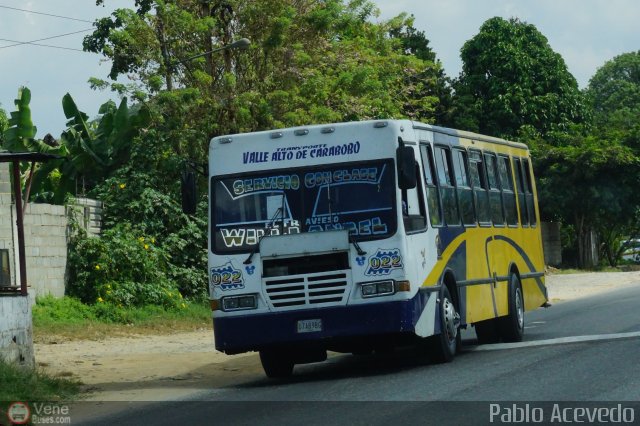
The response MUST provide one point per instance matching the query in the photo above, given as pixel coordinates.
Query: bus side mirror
(188, 189)
(406, 163)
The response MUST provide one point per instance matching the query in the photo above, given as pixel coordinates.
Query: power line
(45, 14)
(19, 43)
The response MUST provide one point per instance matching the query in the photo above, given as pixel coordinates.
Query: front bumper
(245, 333)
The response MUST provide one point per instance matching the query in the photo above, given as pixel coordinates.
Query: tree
(614, 93)
(4, 124)
(589, 184)
(512, 78)
(309, 62)
(19, 132)
(91, 150)
(431, 83)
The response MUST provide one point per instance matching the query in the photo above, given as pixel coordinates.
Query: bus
(363, 236)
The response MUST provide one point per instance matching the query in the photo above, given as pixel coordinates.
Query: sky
(587, 33)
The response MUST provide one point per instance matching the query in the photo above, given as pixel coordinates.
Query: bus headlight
(239, 303)
(379, 288)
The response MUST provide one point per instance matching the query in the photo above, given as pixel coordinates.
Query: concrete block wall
(16, 330)
(551, 243)
(45, 234)
(88, 214)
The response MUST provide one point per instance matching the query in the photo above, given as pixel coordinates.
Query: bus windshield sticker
(226, 277)
(358, 197)
(383, 262)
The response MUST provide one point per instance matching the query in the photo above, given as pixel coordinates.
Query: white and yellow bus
(362, 236)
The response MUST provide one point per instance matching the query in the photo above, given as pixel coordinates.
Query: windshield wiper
(280, 211)
(353, 241)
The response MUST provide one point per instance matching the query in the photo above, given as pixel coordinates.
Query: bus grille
(309, 289)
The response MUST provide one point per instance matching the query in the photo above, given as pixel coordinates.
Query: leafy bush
(148, 204)
(122, 268)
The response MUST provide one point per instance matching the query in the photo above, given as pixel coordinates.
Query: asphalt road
(582, 353)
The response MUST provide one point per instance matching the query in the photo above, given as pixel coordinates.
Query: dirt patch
(573, 286)
(149, 367)
(165, 367)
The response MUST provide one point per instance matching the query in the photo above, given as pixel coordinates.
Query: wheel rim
(450, 320)
(519, 308)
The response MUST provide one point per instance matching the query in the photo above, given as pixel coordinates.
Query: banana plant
(93, 149)
(20, 137)
(89, 150)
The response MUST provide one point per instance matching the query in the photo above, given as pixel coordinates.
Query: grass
(21, 384)
(67, 318)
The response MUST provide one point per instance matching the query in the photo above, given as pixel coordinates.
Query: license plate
(310, 325)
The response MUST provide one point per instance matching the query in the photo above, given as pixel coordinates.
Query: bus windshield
(359, 197)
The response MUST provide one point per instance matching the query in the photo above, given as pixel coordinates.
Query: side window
(433, 195)
(528, 190)
(522, 203)
(480, 187)
(413, 212)
(447, 190)
(495, 197)
(465, 193)
(508, 196)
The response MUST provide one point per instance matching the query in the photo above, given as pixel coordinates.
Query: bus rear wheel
(445, 345)
(276, 364)
(512, 326)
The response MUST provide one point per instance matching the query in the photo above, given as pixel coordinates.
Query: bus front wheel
(512, 326)
(445, 345)
(276, 364)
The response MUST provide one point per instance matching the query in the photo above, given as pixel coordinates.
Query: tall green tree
(512, 78)
(590, 184)
(431, 94)
(614, 92)
(308, 62)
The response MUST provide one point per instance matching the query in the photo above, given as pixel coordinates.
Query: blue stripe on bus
(448, 234)
(526, 259)
(457, 263)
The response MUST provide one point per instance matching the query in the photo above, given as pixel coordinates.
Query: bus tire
(276, 364)
(512, 326)
(445, 345)
(487, 331)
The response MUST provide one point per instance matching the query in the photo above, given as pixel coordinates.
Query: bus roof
(467, 135)
(368, 123)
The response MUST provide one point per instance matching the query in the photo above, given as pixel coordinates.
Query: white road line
(557, 341)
